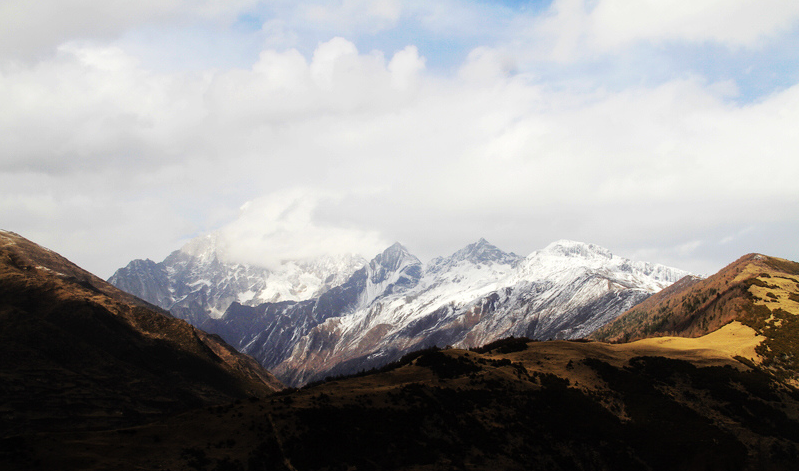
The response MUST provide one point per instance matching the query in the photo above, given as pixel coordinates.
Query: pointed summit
(394, 258)
(393, 270)
(483, 251)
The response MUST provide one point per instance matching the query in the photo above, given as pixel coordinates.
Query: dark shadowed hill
(515, 405)
(77, 353)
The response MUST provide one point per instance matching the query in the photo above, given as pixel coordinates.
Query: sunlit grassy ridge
(759, 291)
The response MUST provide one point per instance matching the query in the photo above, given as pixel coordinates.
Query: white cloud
(487, 65)
(30, 29)
(730, 22)
(93, 107)
(282, 226)
(576, 28)
(405, 68)
(348, 15)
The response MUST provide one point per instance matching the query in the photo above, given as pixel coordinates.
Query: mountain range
(396, 304)
(93, 378)
(197, 282)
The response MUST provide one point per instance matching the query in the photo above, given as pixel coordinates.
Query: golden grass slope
(731, 341)
(758, 291)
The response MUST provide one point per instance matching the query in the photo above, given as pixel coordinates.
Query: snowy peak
(476, 295)
(198, 281)
(484, 252)
(365, 316)
(392, 271)
(571, 248)
(394, 258)
(478, 254)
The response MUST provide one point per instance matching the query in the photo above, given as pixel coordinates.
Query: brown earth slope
(759, 291)
(515, 405)
(77, 353)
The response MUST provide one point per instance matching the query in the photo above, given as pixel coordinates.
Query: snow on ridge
(572, 248)
(400, 302)
(463, 283)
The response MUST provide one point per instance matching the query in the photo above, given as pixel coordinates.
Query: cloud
(93, 107)
(282, 226)
(574, 28)
(350, 15)
(34, 29)
(487, 65)
(737, 23)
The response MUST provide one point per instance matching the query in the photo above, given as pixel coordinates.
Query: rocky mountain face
(396, 304)
(196, 282)
(78, 353)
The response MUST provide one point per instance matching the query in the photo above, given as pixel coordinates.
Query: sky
(663, 130)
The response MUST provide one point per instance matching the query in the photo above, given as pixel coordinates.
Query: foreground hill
(657, 404)
(77, 353)
(759, 291)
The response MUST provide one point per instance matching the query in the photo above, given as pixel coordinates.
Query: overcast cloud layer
(665, 131)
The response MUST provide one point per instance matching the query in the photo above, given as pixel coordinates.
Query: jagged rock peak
(483, 251)
(395, 257)
(571, 248)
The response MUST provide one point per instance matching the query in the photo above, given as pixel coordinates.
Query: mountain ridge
(197, 281)
(759, 291)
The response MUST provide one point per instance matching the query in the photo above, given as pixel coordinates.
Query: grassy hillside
(759, 291)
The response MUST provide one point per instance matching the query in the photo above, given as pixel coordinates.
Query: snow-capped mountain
(197, 282)
(479, 294)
